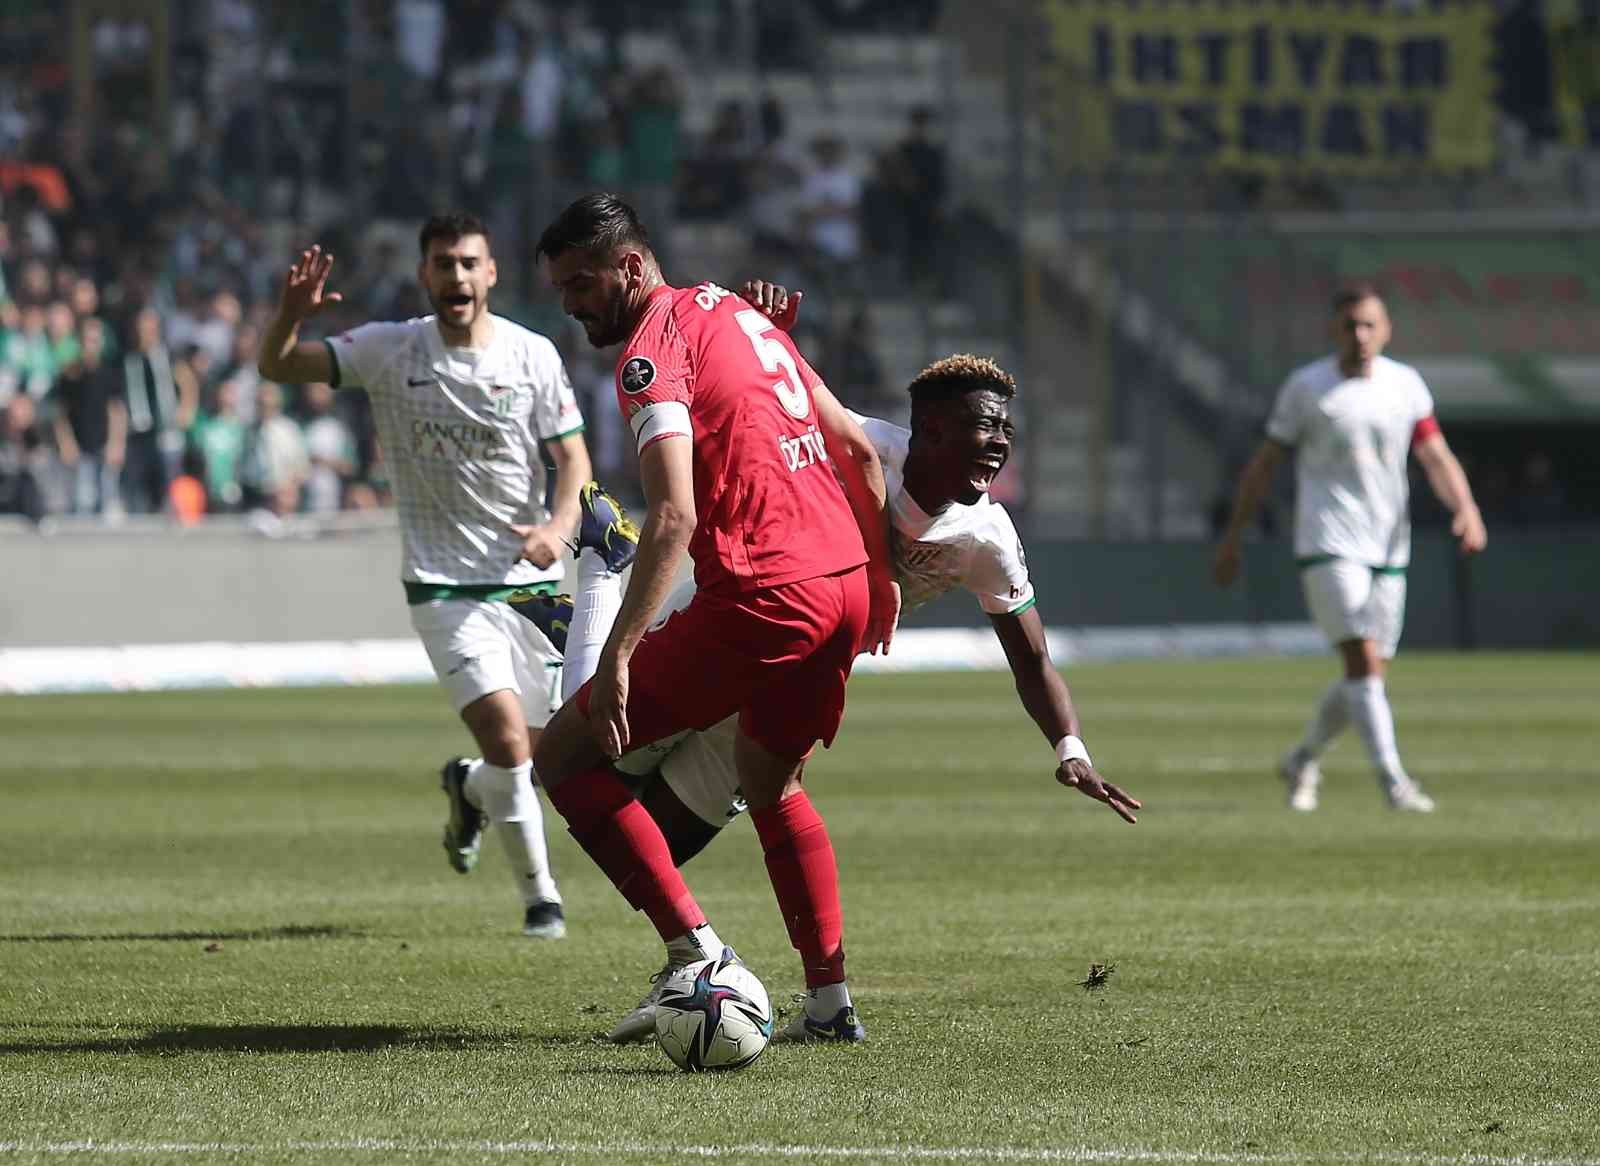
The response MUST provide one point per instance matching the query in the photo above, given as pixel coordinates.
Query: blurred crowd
(138, 269)
(139, 259)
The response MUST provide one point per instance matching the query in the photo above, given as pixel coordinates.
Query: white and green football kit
(1352, 530)
(460, 431)
(974, 547)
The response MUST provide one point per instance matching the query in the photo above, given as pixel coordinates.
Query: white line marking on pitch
(748, 1150)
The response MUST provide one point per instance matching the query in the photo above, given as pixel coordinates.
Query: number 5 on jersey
(775, 357)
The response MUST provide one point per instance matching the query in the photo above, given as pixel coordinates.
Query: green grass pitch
(227, 932)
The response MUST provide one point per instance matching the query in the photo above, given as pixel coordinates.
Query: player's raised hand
(1081, 776)
(608, 705)
(1467, 526)
(303, 293)
(777, 302)
(541, 545)
(885, 615)
(1225, 563)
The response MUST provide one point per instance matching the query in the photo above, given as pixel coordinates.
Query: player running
(464, 400)
(1350, 419)
(738, 444)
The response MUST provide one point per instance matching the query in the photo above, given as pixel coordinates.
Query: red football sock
(805, 878)
(628, 846)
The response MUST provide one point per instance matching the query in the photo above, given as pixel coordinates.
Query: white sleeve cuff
(663, 419)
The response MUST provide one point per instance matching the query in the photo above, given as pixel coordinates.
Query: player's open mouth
(985, 469)
(457, 300)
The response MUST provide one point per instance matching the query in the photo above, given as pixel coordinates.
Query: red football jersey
(704, 364)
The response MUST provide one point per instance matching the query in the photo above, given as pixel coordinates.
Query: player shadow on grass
(267, 1038)
(318, 931)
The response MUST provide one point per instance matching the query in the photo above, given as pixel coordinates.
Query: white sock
(1369, 709)
(507, 796)
(1330, 719)
(595, 602)
(700, 944)
(824, 1001)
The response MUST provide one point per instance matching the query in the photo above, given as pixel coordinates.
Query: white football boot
(1407, 795)
(640, 1024)
(1302, 775)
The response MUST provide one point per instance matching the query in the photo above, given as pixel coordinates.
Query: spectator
(856, 374)
(653, 117)
(277, 465)
(776, 175)
(240, 371)
(331, 449)
(715, 183)
(219, 437)
(24, 460)
(161, 407)
(917, 172)
(26, 362)
(61, 332)
(830, 202)
(91, 424)
(606, 164)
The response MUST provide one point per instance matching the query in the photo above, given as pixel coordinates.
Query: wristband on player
(1070, 747)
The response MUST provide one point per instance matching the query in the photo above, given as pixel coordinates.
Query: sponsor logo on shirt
(457, 440)
(638, 374)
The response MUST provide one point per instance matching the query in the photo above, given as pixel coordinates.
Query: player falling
(947, 533)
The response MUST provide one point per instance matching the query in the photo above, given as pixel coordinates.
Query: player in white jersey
(464, 403)
(946, 533)
(1350, 419)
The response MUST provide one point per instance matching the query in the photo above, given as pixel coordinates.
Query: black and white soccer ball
(713, 1014)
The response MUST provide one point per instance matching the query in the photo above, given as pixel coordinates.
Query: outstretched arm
(1449, 483)
(860, 472)
(1046, 697)
(284, 357)
(1253, 485)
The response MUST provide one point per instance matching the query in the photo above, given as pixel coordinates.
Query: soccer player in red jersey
(750, 464)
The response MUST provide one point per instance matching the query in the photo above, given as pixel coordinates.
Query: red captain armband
(1426, 428)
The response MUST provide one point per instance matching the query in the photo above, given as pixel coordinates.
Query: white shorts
(698, 767)
(1351, 601)
(482, 646)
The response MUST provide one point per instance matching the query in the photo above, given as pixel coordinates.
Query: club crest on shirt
(638, 374)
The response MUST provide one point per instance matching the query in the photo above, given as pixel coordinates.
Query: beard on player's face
(457, 305)
(604, 321)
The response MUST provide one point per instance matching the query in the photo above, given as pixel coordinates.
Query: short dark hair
(955, 376)
(450, 226)
(597, 223)
(1351, 294)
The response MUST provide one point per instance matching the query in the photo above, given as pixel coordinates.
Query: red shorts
(779, 657)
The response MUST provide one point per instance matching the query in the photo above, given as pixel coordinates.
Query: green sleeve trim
(486, 592)
(1022, 607)
(1388, 570)
(333, 359)
(578, 428)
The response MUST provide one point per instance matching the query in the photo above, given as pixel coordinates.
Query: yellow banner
(1575, 70)
(1275, 84)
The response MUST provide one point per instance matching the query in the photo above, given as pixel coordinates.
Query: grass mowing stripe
(764, 1150)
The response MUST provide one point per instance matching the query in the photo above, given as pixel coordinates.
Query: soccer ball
(713, 1014)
